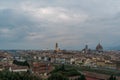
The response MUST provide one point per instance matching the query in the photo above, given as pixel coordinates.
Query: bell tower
(56, 47)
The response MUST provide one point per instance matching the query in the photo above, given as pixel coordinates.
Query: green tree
(63, 73)
(57, 76)
(7, 75)
(112, 77)
(82, 77)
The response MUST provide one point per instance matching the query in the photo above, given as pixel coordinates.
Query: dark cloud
(41, 23)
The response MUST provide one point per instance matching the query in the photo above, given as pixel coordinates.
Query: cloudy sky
(39, 24)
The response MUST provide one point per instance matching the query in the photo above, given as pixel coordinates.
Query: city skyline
(39, 24)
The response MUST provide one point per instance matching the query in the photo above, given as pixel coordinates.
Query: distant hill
(114, 48)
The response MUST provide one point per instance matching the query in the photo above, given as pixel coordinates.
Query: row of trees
(59, 76)
(112, 77)
(20, 63)
(61, 73)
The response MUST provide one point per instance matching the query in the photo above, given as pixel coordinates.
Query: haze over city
(39, 24)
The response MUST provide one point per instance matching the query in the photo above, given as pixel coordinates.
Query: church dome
(99, 47)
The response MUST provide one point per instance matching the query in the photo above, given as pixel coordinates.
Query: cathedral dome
(99, 47)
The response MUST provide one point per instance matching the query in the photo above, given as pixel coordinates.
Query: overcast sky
(39, 24)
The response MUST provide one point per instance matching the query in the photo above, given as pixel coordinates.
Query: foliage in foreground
(6, 75)
(63, 73)
(57, 76)
(112, 77)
